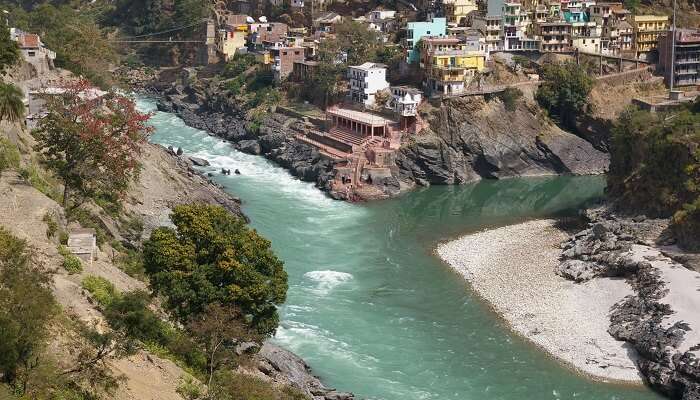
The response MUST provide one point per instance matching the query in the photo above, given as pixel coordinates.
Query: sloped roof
(28, 40)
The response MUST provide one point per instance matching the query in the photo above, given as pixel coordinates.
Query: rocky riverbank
(661, 320)
(519, 282)
(468, 139)
(608, 300)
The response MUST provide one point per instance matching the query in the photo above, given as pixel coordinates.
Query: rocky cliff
(474, 137)
(469, 138)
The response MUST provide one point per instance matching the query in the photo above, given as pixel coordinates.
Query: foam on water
(326, 281)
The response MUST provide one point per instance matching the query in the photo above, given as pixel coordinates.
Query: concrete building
(458, 10)
(405, 100)
(647, 29)
(516, 25)
(33, 50)
(303, 71)
(556, 36)
(415, 31)
(326, 21)
(230, 40)
(284, 59)
(686, 67)
(493, 31)
(382, 20)
(448, 64)
(365, 81)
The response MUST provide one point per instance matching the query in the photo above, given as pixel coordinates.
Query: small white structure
(83, 243)
(405, 100)
(298, 3)
(365, 81)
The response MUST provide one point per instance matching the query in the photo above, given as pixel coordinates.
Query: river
(370, 307)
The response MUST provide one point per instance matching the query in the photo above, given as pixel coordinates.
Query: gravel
(513, 269)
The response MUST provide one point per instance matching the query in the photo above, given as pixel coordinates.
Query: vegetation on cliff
(91, 143)
(213, 257)
(81, 45)
(564, 92)
(655, 167)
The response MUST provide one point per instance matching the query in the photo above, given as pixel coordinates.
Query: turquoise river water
(370, 307)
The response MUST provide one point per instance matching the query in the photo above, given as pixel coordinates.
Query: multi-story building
(283, 59)
(618, 38)
(647, 29)
(447, 64)
(415, 31)
(684, 68)
(517, 22)
(457, 10)
(365, 81)
(491, 26)
(231, 39)
(555, 36)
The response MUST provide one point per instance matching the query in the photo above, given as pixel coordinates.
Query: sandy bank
(513, 269)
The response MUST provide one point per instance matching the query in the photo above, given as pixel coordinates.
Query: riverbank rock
(662, 320)
(284, 366)
(200, 162)
(472, 138)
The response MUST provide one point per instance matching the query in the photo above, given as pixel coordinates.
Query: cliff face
(472, 138)
(469, 139)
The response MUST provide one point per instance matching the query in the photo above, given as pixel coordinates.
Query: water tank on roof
(249, 20)
(263, 19)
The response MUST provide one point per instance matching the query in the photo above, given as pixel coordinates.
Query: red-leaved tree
(91, 140)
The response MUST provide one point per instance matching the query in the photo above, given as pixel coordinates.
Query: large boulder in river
(249, 146)
(200, 162)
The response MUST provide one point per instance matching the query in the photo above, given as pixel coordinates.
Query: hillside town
(175, 178)
(447, 49)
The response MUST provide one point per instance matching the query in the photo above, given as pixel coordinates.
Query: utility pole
(673, 47)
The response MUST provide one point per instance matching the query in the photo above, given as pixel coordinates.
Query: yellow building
(447, 63)
(230, 39)
(456, 10)
(647, 29)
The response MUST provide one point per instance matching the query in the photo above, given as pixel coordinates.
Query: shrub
(129, 312)
(240, 386)
(72, 264)
(102, 290)
(510, 97)
(39, 181)
(9, 155)
(51, 225)
(564, 92)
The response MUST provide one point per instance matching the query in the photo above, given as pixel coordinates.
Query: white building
(298, 3)
(33, 50)
(405, 100)
(365, 81)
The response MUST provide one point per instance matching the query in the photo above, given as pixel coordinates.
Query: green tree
(564, 92)
(211, 256)
(11, 104)
(9, 51)
(359, 42)
(655, 168)
(26, 309)
(91, 143)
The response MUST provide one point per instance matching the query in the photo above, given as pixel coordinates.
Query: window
(284, 53)
(428, 33)
(31, 53)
